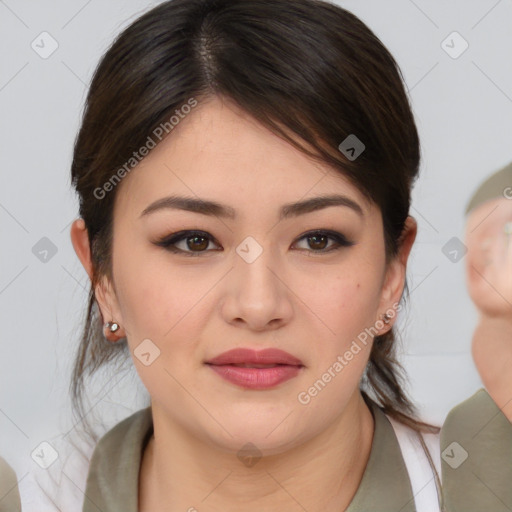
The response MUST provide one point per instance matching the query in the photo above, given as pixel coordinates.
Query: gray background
(463, 108)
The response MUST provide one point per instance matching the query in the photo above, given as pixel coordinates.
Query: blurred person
(477, 434)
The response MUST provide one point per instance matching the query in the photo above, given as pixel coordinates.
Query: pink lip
(249, 356)
(285, 367)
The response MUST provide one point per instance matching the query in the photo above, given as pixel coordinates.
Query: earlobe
(105, 297)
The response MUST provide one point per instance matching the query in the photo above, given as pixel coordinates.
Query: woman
(244, 172)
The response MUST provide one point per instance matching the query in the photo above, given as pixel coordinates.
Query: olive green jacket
(9, 493)
(476, 457)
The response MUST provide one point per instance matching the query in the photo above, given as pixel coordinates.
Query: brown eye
(193, 243)
(318, 241)
(197, 242)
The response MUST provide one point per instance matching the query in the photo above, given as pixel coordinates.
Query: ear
(103, 292)
(394, 280)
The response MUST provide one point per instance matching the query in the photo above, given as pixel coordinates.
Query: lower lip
(256, 378)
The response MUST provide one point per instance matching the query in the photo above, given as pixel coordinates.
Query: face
(489, 258)
(189, 286)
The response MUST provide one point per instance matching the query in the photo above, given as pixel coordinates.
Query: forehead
(218, 151)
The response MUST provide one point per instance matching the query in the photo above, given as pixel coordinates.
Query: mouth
(251, 365)
(252, 369)
(246, 357)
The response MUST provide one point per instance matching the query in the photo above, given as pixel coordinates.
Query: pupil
(314, 237)
(195, 238)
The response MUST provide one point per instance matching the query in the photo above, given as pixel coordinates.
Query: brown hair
(308, 70)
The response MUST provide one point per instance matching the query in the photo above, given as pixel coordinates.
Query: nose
(255, 293)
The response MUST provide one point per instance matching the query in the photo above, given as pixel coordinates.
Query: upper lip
(251, 356)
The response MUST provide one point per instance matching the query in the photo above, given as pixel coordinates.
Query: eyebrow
(206, 207)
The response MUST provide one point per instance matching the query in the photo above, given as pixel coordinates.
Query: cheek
(340, 343)
(168, 305)
(159, 299)
(342, 300)
(477, 245)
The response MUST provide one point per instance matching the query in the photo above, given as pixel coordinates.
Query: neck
(492, 353)
(322, 473)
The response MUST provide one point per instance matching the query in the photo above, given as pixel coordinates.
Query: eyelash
(169, 241)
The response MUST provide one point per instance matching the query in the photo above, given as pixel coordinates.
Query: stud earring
(386, 318)
(110, 328)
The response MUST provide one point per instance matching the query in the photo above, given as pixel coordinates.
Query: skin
(309, 304)
(489, 280)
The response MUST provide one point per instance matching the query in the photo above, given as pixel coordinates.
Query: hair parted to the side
(310, 71)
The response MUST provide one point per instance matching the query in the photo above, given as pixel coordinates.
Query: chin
(246, 444)
(268, 434)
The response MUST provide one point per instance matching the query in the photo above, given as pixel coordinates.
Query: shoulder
(476, 453)
(386, 484)
(133, 427)
(9, 492)
(79, 464)
(122, 443)
(479, 405)
(477, 421)
(112, 481)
